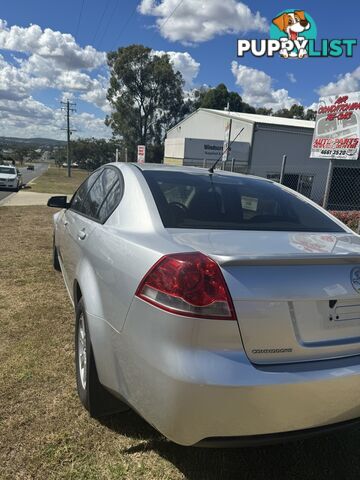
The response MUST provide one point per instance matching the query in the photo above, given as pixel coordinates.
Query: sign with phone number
(337, 129)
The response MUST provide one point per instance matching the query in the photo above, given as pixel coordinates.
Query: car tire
(56, 263)
(96, 399)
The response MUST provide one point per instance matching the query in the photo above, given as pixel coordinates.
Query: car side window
(111, 201)
(98, 192)
(78, 199)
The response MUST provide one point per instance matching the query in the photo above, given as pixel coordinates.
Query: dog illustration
(293, 24)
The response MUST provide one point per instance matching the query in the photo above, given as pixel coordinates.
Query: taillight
(189, 284)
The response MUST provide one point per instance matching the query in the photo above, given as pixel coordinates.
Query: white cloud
(67, 96)
(313, 106)
(90, 89)
(257, 89)
(97, 94)
(291, 77)
(58, 47)
(184, 63)
(29, 118)
(27, 107)
(88, 125)
(198, 21)
(346, 83)
(45, 59)
(50, 60)
(16, 84)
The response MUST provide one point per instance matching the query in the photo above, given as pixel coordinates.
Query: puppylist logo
(293, 34)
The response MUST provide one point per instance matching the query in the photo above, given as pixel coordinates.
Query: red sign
(141, 153)
(337, 128)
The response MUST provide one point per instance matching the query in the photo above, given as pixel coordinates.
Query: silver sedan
(220, 307)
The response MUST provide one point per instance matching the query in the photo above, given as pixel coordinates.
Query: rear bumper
(276, 438)
(193, 413)
(193, 382)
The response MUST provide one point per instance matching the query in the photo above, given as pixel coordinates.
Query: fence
(230, 166)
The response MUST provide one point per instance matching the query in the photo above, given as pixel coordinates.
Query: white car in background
(10, 178)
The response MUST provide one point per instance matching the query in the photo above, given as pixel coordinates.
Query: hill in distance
(38, 142)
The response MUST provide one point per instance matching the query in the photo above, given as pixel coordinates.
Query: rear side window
(224, 202)
(110, 202)
(77, 201)
(99, 195)
(98, 192)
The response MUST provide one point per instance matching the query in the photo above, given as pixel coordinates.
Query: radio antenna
(211, 169)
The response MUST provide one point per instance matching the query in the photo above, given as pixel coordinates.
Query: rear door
(84, 216)
(68, 226)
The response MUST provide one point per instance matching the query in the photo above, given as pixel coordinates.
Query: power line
(133, 13)
(79, 19)
(171, 14)
(112, 16)
(101, 20)
(125, 25)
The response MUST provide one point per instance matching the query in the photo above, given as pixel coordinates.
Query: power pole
(68, 107)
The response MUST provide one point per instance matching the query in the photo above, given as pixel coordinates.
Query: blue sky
(39, 68)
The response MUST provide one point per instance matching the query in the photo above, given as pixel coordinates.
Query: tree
(146, 95)
(19, 154)
(219, 97)
(310, 114)
(91, 153)
(264, 111)
(216, 98)
(296, 111)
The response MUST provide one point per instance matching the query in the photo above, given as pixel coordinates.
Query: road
(27, 175)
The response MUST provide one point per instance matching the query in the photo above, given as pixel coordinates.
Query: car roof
(186, 169)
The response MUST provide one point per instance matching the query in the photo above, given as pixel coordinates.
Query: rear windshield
(224, 202)
(7, 170)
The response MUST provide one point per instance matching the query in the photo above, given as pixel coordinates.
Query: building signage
(337, 129)
(210, 150)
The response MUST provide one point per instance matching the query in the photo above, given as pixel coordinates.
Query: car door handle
(82, 235)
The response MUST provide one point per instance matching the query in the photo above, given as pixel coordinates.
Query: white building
(198, 140)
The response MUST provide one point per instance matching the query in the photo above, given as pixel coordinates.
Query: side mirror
(58, 202)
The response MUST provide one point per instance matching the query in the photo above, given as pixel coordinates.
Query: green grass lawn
(45, 433)
(55, 180)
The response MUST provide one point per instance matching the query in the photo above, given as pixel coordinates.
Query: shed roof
(253, 118)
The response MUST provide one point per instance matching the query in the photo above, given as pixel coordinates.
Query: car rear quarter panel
(113, 262)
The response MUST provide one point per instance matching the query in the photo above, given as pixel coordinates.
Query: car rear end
(250, 330)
